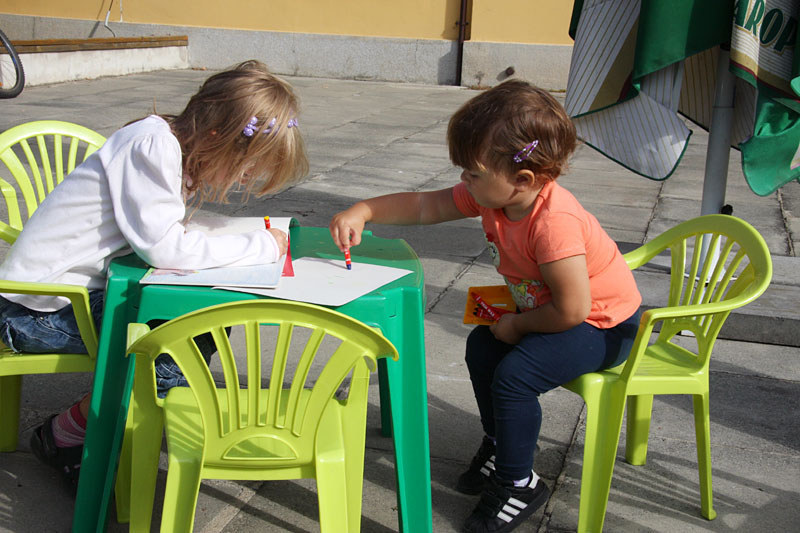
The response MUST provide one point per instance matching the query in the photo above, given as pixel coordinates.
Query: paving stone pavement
(367, 138)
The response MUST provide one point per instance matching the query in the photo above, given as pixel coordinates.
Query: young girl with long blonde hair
(135, 193)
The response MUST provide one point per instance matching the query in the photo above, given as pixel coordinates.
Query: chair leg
(122, 486)
(332, 494)
(145, 452)
(640, 409)
(354, 434)
(702, 429)
(10, 391)
(354, 481)
(180, 495)
(604, 410)
(333, 489)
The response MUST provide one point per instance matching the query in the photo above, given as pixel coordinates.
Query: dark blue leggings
(508, 380)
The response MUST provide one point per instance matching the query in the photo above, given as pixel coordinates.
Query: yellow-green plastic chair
(251, 431)
(704, 288)
(38, 156)
(34, 161)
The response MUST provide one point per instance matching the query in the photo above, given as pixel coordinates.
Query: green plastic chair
(41, 168)
(704, 289)
(248, 431)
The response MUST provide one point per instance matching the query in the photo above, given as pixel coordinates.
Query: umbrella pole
(719, 147)
(719, 138)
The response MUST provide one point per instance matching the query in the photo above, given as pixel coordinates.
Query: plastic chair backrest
(38, 166)
(717, 263)
(238, 427)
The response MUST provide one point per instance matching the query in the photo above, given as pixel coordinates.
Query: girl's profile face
(490, 189)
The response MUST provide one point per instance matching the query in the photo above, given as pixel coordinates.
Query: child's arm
(405, 208)
(568, 280)
(146, 194)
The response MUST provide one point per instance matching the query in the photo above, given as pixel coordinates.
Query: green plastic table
(396, 308)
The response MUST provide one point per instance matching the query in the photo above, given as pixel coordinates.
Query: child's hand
(505, 329)
(281, 239)
(346, 227)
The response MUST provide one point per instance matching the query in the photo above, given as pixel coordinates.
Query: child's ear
(525, 179)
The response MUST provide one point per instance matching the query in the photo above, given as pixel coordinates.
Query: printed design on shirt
(524, 293)
(493, 250)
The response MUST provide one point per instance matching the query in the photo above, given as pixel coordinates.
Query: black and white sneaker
(503, 506)
(475, 478)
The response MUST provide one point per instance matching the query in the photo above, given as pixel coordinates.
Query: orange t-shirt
(557, 227)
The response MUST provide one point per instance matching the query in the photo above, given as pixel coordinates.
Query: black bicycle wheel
(12, 77)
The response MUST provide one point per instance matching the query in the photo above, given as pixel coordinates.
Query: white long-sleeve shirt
(126, 196)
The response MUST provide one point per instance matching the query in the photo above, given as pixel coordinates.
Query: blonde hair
(491, 128)
(216, 152)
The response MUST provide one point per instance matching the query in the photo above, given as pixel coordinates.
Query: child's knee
(7, 338)
(505, 381)
(515, 382)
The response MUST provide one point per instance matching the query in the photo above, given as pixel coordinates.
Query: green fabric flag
(762, 55)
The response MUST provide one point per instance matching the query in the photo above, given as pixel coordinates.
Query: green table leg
(400, 315)
(408, 398)
(108, 410)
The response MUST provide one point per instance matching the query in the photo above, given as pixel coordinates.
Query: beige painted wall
(426, 19)
(520, 21)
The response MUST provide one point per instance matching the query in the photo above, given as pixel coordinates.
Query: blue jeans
(507, 381)
(26, 330)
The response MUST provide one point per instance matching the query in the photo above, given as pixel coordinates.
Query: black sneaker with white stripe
(475, 478)
(503, 506)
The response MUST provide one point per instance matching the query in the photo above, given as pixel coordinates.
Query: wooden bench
(58, 60)
(40, 46)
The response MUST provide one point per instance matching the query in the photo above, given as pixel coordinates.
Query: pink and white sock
(69, 428)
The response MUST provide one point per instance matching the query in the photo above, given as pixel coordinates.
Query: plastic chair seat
(12, 363)
(663, 360)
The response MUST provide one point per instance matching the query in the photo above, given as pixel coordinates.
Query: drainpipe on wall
(462, 36)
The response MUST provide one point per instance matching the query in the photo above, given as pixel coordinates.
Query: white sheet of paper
(224, 225)
(328, 282)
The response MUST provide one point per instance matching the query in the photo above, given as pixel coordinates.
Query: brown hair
(217, 154)
(491, 128)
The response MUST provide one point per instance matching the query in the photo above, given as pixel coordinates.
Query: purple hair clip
(525, 153)
(268, 128)
(251, 127)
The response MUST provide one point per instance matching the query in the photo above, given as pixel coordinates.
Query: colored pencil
(347, 259)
